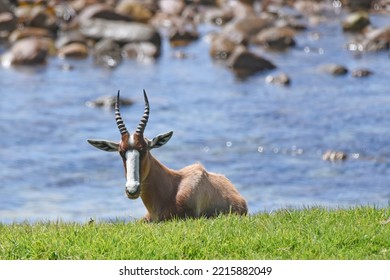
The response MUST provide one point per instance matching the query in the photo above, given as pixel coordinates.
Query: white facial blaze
(132, 168)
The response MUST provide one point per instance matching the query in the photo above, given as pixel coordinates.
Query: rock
(8, 20)
(357, 5)
(292, 23)
(241, 30)
(5, 6)
(179, 37)
(218, 16)
(171, 7)
(377, 39)
(275, 38)
(356, 22)
(66, 67)
(73, 50)
(120, 31)
(135, 9)
(180, 55)
(27, 51)
(334, 69)
(7, 23)
(26, 32)
(309, 7)
(361, 73)
(100, 11)
(69, 38)
(381, 6)
(143, 51)
(107, 53)
(243, 8)
(282, 79)
(245, 63)
(331, 155)
(109, 102)
(221, 47)
(39, 16)
(65, 12)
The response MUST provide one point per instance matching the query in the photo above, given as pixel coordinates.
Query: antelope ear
(104, 145)
(159, 140)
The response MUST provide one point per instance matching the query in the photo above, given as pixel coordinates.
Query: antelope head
(133, 149)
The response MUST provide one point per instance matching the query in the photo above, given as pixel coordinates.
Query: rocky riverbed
(32, 31)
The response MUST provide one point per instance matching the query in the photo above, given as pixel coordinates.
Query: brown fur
(189, 192)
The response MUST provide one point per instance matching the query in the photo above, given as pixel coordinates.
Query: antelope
(190, 192)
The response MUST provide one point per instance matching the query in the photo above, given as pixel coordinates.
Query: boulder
(334, 69)
(245, 63)
(109, 102)
(27, 51)
(107, 53)
(70, 37)
(73, 50)
(275, 38)
(282, 79)
(331, 155)
(26, 32)
(39, 16)
(5, 6)
(135, 9)
(377, 39)
(8, 23)
(120, 31)
(356, 22)
(8, 20)
(142, 51)
(100, 11)
(179, 37)
(171, 7)
(358, 5)
(243, 8)
(361, 73)
(241, 30)
(218, 16)
(221, 47)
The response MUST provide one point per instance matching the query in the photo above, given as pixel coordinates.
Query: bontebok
(167, 193)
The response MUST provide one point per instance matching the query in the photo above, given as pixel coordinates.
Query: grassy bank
(315, 233)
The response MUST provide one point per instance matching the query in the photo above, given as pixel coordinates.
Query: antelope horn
(118, 118)
(144, 120)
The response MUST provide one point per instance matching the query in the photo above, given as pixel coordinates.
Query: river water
(267, 139)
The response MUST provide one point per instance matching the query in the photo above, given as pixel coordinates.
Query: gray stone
(27, 51)
(334, 69)
(221, 47)
(120, 31)
(107, 53)
(245, 63)
(282, 79)
(276, 38)
(142, 51)
(356, 22)
(109, 102)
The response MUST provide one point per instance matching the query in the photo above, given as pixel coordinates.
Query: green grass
(314, 233)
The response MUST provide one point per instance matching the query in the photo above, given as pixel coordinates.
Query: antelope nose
(132, 190)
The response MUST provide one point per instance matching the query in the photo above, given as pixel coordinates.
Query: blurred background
(288, 99)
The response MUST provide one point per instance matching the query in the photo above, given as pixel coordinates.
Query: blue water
(268, 140)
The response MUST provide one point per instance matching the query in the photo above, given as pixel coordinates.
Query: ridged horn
(118, 118)
(144, 120)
